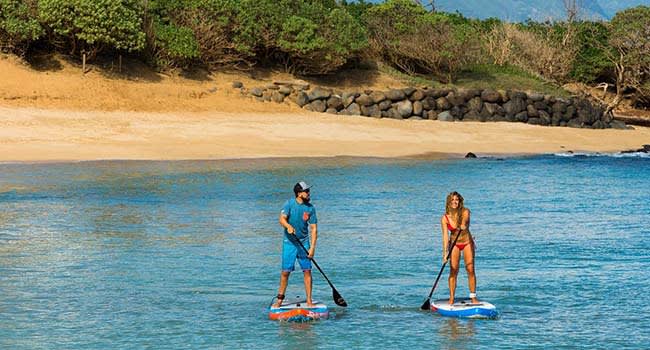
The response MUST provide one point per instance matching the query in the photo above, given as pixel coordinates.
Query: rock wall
(441, 104)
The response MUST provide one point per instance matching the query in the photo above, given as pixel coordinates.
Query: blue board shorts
(291, 252)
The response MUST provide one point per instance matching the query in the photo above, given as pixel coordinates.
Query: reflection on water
(171, 255)
(455, 329)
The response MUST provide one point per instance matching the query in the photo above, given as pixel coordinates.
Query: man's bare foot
(278, 301)
(310, 304)
(475, 301)
(451, 301)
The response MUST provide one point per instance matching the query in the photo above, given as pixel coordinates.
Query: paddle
(427, 303)
(338, 299)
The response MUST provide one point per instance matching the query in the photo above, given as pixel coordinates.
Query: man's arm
(284, 223)
(314, 237)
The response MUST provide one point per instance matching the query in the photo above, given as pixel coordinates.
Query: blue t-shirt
(300, 216)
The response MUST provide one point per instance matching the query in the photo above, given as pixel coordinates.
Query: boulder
(417, 108)
(598, 124)
(395, 95)
(408, 91)
(371, 111)
(429, 103)
(492, 108)
(348, 98)
(354, 109)
(445, 117)
(257, 92)
(319, 93)
(442, 104)
(364, 100)
(475, 104)
(302, 99)
(575, 123)
(514, 106)
(405, 108)
(335, 102)
(417, 95)
(455, 99)
(471, 115)
(521, 117)
(285, 90)
(377, 96)
(385, 105)
(277, 97)
(532, 112)
(489, 95)
(317, 106)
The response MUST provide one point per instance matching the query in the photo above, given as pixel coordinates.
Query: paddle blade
(426, 305)
(338, 299)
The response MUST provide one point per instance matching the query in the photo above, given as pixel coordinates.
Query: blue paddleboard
(464, 307)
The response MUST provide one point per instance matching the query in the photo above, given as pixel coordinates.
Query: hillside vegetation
(327, 37)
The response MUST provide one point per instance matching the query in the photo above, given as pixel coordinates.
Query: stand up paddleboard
(296, 310)
(464, 307)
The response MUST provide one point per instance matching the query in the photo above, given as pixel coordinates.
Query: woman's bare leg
(454, 262)
(468, 256)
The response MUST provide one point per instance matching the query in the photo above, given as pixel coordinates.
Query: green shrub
(91, 26)
(403, 34)
(591, 63)
(19, 25)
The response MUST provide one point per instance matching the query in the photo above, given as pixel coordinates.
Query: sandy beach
(65, 116)
(28, 134)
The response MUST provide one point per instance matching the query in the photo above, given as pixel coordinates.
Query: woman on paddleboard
(455, 228)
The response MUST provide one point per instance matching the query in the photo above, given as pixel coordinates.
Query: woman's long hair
(459, 211)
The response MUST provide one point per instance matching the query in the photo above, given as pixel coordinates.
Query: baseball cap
(301, 186)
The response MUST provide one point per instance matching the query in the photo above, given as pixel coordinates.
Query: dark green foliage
(591, 64)
(310, 37)
(405, 35)
(91, 26)
(19, 25)
(630, 40)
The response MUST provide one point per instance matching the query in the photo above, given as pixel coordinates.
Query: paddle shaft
(427, 301)
(337, 297)
(314, 261)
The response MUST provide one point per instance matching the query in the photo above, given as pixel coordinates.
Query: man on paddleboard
(297, 217)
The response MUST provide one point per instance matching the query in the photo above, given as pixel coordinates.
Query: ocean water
(186, 255)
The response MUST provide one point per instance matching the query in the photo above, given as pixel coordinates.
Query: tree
(629, 41)
(18, 24)
(91, 26)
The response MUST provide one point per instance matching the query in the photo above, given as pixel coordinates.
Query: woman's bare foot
(451, 301)
(475, 301)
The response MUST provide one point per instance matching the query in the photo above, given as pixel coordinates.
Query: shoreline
(54, 135)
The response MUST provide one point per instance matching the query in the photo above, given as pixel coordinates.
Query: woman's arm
(464, 223)
(445, 238)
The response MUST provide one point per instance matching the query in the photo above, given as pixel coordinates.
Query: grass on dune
(488, 76)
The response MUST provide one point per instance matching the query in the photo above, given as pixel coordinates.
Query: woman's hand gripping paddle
(338, 299)
(427, 303)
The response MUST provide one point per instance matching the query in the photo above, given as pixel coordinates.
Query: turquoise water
(186, 255)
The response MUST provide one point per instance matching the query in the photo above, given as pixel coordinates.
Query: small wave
(598, 154)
